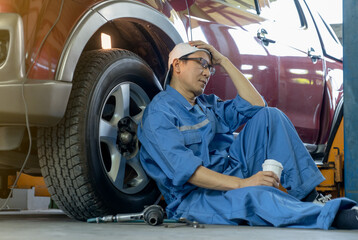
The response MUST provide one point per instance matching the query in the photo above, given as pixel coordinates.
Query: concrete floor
(53, 224)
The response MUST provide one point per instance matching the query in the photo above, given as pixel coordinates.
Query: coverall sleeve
(233, 113)
(165, 145)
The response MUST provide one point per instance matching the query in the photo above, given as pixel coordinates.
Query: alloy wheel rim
(125, 100)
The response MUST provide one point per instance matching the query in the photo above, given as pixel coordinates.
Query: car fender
(104, 12)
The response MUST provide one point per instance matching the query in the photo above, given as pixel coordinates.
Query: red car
(76, 75)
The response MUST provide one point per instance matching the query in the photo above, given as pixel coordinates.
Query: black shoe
(346, 219)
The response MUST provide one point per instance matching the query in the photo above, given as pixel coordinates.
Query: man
(207, 175)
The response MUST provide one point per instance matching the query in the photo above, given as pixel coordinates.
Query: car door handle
(313, 55)
(261, 34)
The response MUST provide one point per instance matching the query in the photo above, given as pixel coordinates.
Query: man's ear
(176, 67)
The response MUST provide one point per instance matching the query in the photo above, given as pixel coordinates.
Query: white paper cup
(273, 166)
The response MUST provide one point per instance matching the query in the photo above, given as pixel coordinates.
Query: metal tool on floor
(186, 222)
(152, 215)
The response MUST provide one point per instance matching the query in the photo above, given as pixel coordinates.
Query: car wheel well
(137, 36)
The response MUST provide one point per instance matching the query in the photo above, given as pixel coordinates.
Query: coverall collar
(200, 103)
(175, 94)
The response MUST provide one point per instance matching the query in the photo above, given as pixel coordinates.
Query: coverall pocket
(191, 137)
(192, 140)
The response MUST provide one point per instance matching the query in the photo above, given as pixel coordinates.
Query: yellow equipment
(332, 170)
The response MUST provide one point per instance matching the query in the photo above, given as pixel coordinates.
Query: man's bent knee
(271, 111)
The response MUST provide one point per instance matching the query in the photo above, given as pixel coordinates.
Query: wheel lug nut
(126, 138)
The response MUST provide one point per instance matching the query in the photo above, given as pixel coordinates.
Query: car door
(301, 75)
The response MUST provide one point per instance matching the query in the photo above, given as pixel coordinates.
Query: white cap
(179, 51)
(183, 49)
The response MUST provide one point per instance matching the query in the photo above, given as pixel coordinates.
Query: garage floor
(53, 224)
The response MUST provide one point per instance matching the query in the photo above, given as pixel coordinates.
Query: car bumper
(46, 102)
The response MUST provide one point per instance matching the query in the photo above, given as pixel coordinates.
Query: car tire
(87, 168)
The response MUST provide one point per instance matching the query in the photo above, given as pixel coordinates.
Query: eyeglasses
(202, 62)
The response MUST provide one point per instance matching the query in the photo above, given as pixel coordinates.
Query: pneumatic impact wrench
(152, 215)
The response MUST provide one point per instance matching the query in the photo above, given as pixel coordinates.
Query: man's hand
(262, 178)
(217, 56)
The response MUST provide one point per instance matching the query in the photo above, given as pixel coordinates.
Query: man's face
(193, 76)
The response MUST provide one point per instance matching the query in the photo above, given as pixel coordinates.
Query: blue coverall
(177, 138)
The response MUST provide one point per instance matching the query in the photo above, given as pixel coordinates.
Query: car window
(331, 45)
(247, 5)
(281, 11)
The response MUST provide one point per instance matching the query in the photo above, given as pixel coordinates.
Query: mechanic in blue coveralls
(207, 175)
